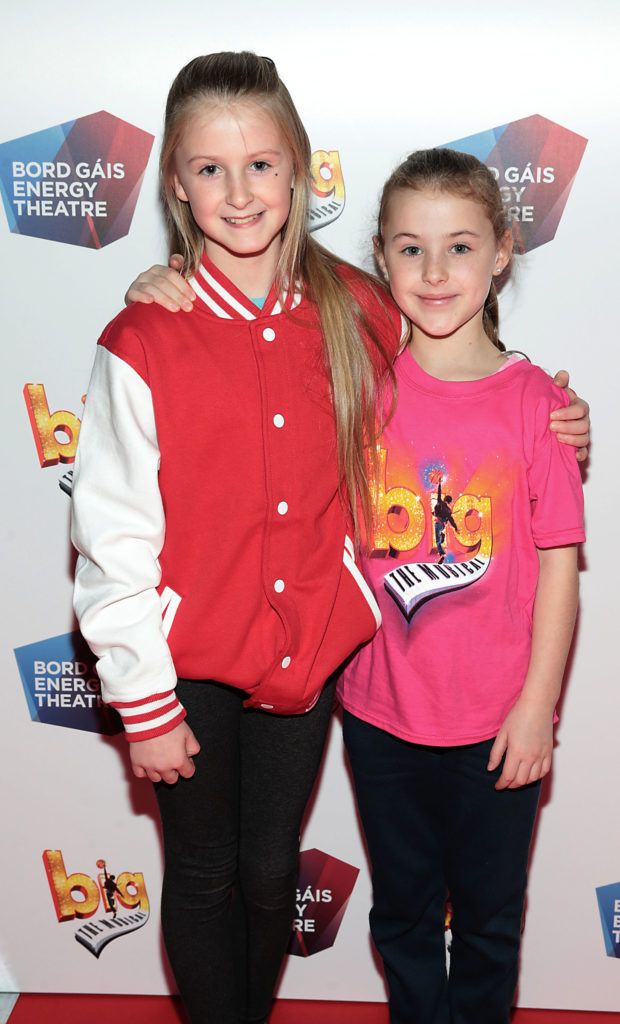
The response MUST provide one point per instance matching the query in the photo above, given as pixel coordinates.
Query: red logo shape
(324, 886)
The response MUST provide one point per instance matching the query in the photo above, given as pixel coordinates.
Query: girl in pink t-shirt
(449, 711)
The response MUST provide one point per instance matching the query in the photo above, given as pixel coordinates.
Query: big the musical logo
(404, 518)
(78, 897)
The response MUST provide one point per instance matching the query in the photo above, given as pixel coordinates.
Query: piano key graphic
(323, 211)
(66, 482)
(97, 934)
(415, 582)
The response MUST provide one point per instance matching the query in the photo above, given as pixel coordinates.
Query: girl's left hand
(526, 738)
(572, 423)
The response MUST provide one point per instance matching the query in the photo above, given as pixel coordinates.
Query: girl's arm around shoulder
(569, 418)
(526, 735)
(554, 479)
(571, 421)
(164, 286)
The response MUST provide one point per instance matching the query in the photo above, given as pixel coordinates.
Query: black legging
(233, 830)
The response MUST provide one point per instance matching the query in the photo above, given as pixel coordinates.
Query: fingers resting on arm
(163, 285)
(571, 423)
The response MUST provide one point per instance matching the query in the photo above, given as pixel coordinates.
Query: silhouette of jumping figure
(443, 516)
(111, 890)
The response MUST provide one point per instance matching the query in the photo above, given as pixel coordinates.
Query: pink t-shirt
(472, 482)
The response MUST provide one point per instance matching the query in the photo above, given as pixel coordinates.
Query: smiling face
(440, 254)
(234, 169)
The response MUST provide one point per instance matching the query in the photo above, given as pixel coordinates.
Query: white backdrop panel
(372, 83)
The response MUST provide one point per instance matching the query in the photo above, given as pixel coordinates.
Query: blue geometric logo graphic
(608, 897)
(62, 686)
(76, 182)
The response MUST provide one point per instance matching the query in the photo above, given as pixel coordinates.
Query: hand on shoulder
(164, 286)
(572, 422)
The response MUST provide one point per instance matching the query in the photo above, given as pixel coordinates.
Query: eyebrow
(452, 234)
(250, 156)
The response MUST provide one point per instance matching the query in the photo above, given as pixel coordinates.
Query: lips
(436, 300)
(240, 222)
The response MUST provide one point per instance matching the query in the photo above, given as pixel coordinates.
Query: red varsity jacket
(213, 540)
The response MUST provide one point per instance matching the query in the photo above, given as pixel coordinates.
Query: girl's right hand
(163, 285)
(526, 740)
(164, 758)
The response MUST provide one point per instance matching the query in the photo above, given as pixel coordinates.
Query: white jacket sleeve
(118, 529)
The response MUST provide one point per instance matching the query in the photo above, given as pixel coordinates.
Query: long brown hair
(357, 382)
(446, 170)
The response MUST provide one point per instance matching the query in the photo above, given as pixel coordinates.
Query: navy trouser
(435, 825)
(231, 839)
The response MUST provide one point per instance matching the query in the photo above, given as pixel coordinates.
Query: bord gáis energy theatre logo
(324, 886)
(76, 182)
(535, 162)
(608, 899)
(61, 685)
(105, 908)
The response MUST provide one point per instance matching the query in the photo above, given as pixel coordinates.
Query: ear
(504, 252)
(179, 191)
(379, 257)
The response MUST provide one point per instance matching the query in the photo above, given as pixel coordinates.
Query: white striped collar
(220, 296)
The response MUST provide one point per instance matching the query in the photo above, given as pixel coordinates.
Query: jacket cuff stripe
(136, 722)
(157, 730)
(146, 711)
(120, 705)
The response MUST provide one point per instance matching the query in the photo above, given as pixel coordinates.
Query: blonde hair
(447, 170)
(357, 383)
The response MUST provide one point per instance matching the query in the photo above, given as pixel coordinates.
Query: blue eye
(209, 170)
(411, 250)
(459, 248)
(260, 165)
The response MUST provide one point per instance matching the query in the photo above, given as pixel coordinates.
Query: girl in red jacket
(216, 495)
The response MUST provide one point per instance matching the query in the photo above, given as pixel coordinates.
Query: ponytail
(490, 318)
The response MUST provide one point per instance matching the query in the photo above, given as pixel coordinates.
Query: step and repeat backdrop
(530, 90)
